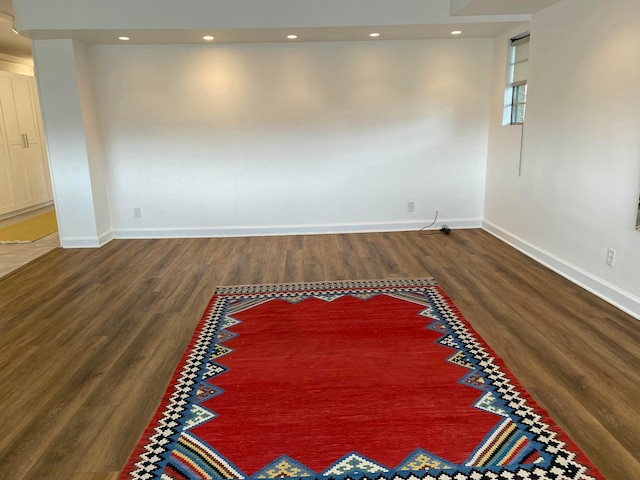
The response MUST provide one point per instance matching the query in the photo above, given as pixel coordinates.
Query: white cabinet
(24, 176)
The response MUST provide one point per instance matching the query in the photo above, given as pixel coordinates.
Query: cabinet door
(7, 197)
(25, 108)
(22, 134)
(29, 176)
(27, 116)
(9, 114)
(20, 169)
(37, 174)
(7, 200)
(15, 144)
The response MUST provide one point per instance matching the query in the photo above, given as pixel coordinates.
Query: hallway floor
(15, 255)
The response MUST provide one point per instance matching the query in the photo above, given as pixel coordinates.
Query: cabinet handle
(25, 140)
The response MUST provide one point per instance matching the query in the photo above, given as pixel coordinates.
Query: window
(518, 78)
(518, 103)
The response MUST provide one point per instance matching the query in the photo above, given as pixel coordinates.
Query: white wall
(77, 176)
(578, 193)
(94, 144)
(289, 138)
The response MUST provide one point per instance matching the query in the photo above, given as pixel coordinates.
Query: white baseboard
(272, 230)
(105, 237)
(617, 297)
(86, 242)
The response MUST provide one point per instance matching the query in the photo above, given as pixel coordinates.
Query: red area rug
(347, 380)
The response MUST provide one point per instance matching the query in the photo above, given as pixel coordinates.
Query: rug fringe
(327, 284)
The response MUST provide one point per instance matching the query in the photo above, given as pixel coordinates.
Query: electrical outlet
(611, 257)
(137, 213)
(411, 206)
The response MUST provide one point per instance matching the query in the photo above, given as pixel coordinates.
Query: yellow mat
(30, 229)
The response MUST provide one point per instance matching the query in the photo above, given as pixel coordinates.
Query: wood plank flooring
(90, 338)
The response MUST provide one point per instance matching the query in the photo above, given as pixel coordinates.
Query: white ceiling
(462, 11)
(498, 7)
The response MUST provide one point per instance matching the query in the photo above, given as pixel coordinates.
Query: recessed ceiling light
(456, 32)
(375, 34)
(208, 38)
(292, 37)
(124, 39)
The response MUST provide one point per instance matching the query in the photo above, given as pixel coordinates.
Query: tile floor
(15, 255)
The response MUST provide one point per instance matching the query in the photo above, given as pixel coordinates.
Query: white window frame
(514, 106)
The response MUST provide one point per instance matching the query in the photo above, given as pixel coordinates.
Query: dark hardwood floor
(90, 338)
